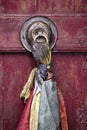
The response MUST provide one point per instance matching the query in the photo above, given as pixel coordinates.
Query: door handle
(38, 29)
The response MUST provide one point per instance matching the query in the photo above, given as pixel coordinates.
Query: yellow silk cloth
(29, 84)
(35, 111)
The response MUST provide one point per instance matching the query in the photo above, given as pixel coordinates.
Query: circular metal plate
(32, 20)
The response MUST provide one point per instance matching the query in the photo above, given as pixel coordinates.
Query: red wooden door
(69, 57)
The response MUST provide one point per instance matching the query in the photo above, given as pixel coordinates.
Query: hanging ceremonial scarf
(45, 109)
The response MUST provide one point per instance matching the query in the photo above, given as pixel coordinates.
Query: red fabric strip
(24, 121)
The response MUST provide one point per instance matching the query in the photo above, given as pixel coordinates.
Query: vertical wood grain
(56, 6)
(1, 92)
(16, 71)
(18, 6)
(70, 69)
(80, 6)
(43, 6)
(81, 91)
(64, 75)
(70, 72)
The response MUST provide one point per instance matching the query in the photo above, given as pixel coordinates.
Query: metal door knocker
(38, 36)
(40, 29)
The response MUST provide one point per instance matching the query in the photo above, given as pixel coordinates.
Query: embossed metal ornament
(39, 29)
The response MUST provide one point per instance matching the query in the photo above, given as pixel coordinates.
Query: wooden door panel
(1, 91)
(64, 72)
(70, 72)
(55, 6)
(16, 71)
(80, 6)
(42, 6)
(18, 6)
(81, 91)
(71, 77)
(16, 64)
(72, 32)
(69, 57)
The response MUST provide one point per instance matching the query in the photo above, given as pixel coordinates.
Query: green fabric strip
(49, 117)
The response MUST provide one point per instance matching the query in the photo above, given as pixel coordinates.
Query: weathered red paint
(18, 6)
(43, 6)
(72, 32)
(81, 6)
(71, 78)
(55, 6)
(1, 91)
(16, 69)
(69, 57)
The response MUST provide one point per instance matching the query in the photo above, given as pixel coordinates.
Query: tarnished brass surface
(38, 29)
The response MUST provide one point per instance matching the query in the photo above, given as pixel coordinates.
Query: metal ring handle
(32, 20)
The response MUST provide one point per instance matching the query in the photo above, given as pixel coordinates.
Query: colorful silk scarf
(41, 106)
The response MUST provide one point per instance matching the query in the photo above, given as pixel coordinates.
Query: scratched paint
(1, 91)
(18, 6)
(56, 6)
(43, 6)
(72, 32)
(71, 79)
(69, 57)
(16, 71)
(80, 6)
